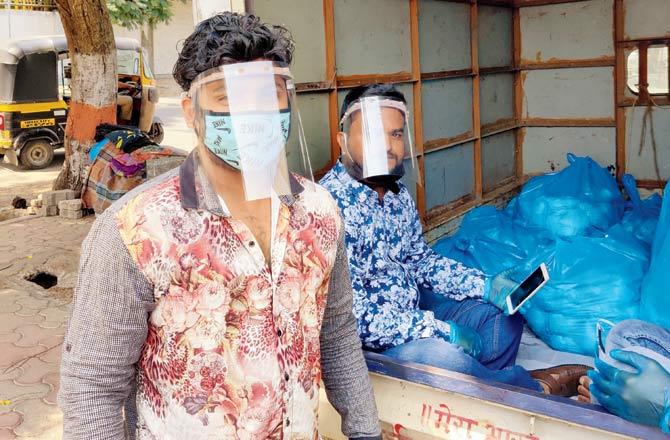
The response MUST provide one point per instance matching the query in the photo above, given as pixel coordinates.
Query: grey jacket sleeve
(345, 373)
(106, 331)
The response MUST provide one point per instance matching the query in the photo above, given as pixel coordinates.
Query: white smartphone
(527, 289)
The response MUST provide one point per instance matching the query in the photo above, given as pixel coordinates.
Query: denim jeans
(500, 334)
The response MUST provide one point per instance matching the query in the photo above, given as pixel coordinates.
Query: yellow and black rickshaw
(35, 93)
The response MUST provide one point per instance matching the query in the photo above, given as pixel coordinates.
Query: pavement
(33, 319)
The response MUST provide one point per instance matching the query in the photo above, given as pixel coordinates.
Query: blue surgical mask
(262, 136)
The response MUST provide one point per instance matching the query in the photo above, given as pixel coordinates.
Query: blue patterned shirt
(389, 260)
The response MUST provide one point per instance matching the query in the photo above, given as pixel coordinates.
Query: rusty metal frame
(518, 123)
(621, 102)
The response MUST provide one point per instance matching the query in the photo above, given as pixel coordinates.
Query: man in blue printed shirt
(411, 303)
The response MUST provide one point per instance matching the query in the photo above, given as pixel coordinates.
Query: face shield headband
(356, 170)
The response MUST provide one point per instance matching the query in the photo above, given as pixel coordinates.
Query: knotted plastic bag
(641, 216)
(655, 301)
(492, 241)
(591, 278)
(570, 221)
(582, 199)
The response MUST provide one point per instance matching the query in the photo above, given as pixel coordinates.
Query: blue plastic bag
(655, 301)
(591, 278)
(572, 221)
(490, 240)
(641, 216)
(582, 199)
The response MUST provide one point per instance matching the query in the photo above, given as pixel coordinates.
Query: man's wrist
(665, 417)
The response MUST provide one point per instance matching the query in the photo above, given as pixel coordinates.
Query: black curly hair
(228, 38)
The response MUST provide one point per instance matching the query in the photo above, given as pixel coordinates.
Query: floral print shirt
(175, 294)
(389, 262)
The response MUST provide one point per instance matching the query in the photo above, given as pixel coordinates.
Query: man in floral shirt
(213, 300)
(410, 302)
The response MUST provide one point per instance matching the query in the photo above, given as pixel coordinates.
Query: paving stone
(72, 215)
(52, 355)
(33, 302)
(10, 420)
(7, 434)
(70, 205)
(9, 374)
(33, 334)
(52, 198)
(52, 324)
(9, 336)
(10, 321)
(16, 394)
(7, 212)
(8, 297)
(48, 211)
(54, 314)
(53, 380)
(34, 371)
(13, 355)
(38, 417)
(26, 312)
(10, 308)
(55, 340)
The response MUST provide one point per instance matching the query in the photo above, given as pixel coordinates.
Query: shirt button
(252, 243)
(288, 422)
(286, 377)
(279, 332)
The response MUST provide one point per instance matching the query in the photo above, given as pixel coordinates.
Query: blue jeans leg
(636, 333)
(441, 354)
(500, 334)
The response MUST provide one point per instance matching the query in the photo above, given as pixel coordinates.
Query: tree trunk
(93, 53)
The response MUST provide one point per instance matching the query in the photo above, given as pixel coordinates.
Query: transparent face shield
(244, 114)
(377, 141)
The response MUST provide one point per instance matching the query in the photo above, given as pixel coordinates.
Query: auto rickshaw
(35, 93)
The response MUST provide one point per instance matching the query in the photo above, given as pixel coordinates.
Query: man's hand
(640, 397)
(499, 287)
(466, 338)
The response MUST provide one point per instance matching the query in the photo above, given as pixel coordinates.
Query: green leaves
(135, 13)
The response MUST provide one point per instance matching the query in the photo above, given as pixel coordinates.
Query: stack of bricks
(71, 209)
(35, 206)
(51, 200)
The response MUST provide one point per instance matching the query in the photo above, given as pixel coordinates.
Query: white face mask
(264, 135)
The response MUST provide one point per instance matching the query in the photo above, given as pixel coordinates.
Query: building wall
(15, 24)
(168, 37)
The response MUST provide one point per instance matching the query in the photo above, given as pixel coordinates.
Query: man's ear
(188, 110)
(342, 141)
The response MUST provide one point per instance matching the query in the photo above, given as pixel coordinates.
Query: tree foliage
(131, 14)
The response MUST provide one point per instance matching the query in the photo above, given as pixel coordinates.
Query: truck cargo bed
(421, 402)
